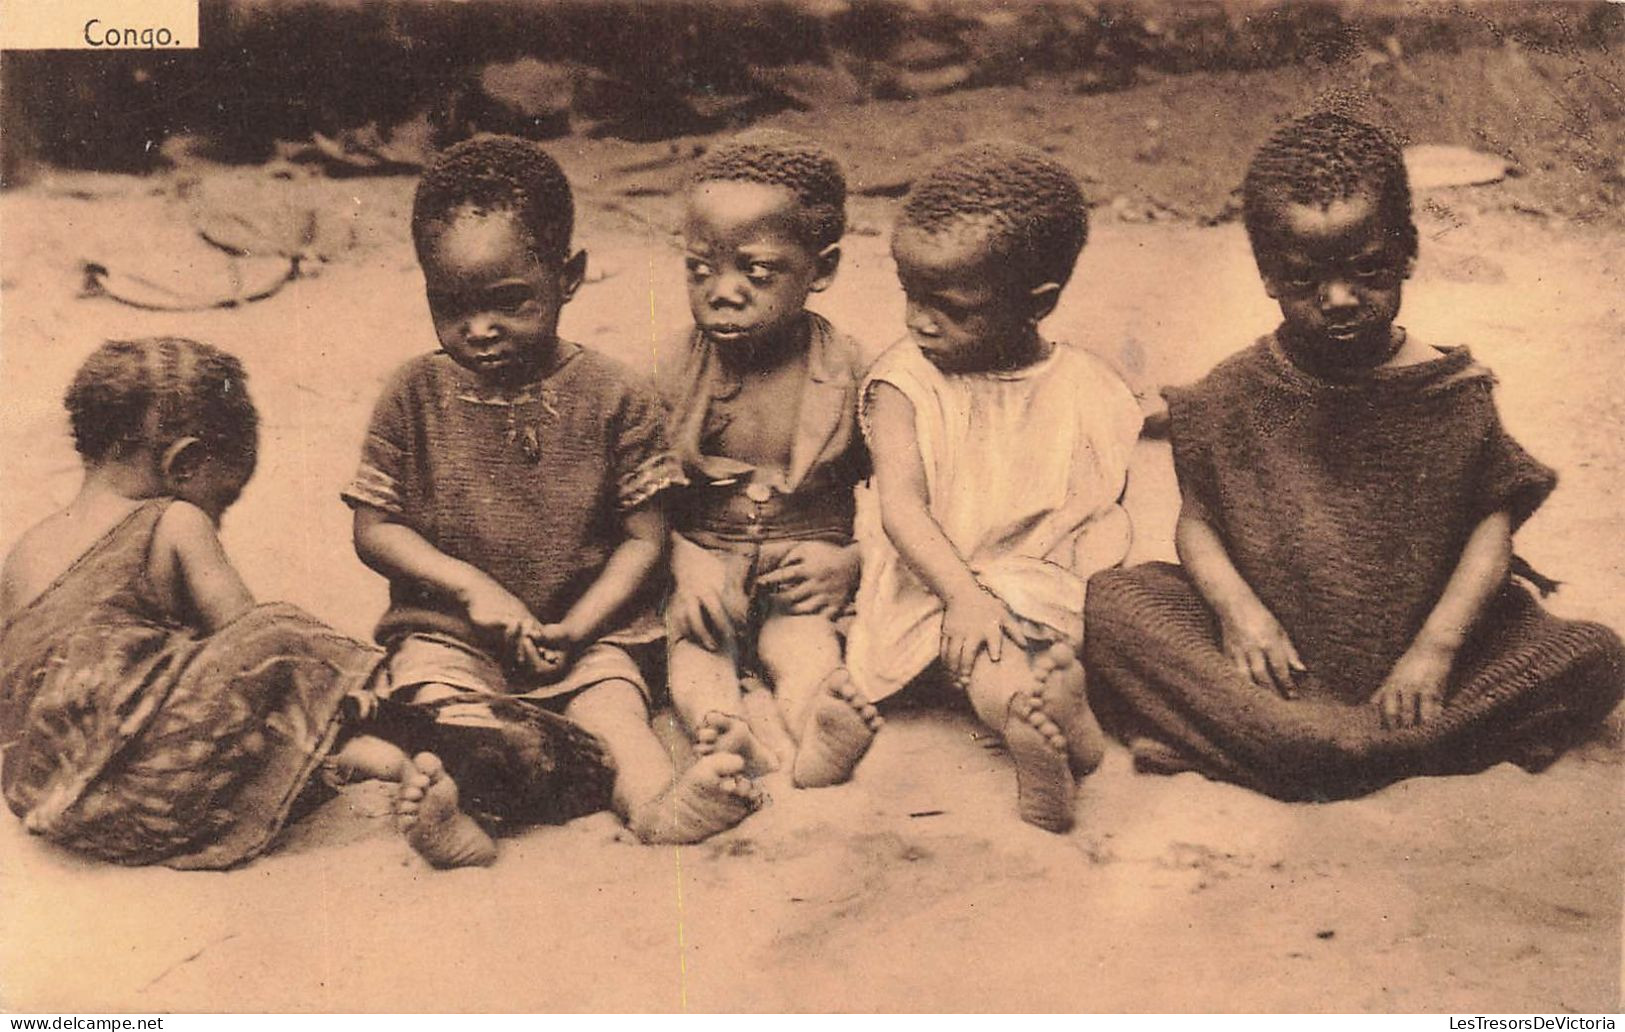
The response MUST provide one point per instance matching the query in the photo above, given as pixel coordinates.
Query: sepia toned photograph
(812, 506)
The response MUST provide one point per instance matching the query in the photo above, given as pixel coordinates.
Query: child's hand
(814, 577)
(978, 622)
(1259, 647)
(707, 604)
(549, 652)
(1413, 692)
(499, 613)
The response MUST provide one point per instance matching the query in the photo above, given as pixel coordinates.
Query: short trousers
(431, 658)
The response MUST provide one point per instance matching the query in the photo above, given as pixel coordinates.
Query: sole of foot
(1060, 694)
(721, 733)
(1044, 786)
(711, 796)
(840, 725)
(427, 813)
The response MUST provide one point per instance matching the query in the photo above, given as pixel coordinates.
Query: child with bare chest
(763, 398)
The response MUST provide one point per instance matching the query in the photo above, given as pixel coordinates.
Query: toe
(727, 764)
(1060, 655)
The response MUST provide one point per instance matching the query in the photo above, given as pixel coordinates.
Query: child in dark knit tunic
(1344, 614)
(510, 489)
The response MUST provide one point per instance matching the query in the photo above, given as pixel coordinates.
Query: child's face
(1337, 275)
(749, 273)
(965, 311)
(495, 304)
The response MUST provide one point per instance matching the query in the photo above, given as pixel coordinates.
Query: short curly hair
(1031, 205)
(1319, 159)
(497, 173)
(156, 390)
(773, 157)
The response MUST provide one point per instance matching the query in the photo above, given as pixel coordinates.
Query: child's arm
(1413, 692)
(1252, 637)
(974, 619)
(401, 553)
(211, 592)
(623, 576)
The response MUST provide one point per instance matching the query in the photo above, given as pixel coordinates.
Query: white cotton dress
(1025, 472)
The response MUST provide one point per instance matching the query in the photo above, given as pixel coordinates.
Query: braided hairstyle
(773, 157)
(156, 390)
(1320, 159)
(1029, 205)
(497, 174)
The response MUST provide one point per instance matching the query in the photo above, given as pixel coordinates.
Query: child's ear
(1041, 301)
(572, 273)
(180, 462)
(826, 262)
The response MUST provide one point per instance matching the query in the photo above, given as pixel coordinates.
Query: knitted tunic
(527, 485)
(1346, 507)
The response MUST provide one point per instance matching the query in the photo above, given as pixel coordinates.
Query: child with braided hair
(1343, 615)
(1000, 459)
(150, 712)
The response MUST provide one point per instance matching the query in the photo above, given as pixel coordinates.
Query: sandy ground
(915, 887)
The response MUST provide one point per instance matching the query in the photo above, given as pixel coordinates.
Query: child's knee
(993, 685)
(615, 701)
(798, 646)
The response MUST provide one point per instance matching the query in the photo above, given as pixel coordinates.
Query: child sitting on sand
(1344, 615)
(763, 396)
(1000, 458)
(149, 711)
(509, 490)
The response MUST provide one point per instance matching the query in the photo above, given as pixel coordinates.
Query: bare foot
(1063, 706)
(426, 812)
(1044, 785)
(840, 725)
(725, 733)
(711, 796)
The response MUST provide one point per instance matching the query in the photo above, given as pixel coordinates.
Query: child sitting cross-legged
(1343, 615)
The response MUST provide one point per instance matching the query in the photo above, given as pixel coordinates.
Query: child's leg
(1006, 696)
(798, 653)
(365, 756)
(706, 694)
(710, 796)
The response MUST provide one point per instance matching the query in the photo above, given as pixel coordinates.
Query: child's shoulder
(587, 369)
(1236, 376)
(840, 353)
(1089, 370)
(428, 371)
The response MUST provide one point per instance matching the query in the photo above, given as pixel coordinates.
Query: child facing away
(1343, 616)
(1000, 458)
(763, 400)
(150, 712)
(509, 489)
